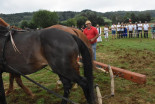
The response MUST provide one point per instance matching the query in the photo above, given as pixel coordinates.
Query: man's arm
(94, 38)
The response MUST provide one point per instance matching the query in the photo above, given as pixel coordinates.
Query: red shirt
(91, 33)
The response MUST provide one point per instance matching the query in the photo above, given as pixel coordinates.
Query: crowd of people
(123, 30)
(118, 31)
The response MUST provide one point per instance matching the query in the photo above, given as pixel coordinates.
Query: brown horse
(60, 51)
(61, 27)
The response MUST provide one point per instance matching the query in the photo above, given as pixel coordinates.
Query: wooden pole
(99, 96)
(112, 81)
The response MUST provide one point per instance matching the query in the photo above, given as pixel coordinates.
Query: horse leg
(20, 83)
(11, 80)
(67, 86)
(82, 82)
(2, 92)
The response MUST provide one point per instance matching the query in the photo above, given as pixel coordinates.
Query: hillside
(15, 19)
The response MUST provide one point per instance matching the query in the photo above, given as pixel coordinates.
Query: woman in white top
(146, 29)
(99, 39)
(130, 28)
(140, 26)
(122, 30)
(135, 30)
(118, 30)
(113, 29)
(106, 30)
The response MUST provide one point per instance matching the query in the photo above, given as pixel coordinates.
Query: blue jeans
(94, 50)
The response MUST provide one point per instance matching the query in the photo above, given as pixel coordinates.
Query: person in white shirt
(106, 30)
(135, 30)
(118, 30)
(99, 39)
(130, 28)
(113, 29)
(122, 29)
(125, 31)
(146, 29)
(153, 30)
(140, 26)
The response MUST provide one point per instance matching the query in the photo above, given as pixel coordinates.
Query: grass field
(137, 55)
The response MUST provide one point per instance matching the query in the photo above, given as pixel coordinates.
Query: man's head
(139, 21)
(113, 24)
(135, 22)
(88, 24)
(145, 21)
(118, 23)
(97, 25)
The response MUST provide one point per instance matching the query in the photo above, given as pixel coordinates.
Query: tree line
(44, 18)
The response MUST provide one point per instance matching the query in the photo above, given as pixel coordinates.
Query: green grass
(136, 55)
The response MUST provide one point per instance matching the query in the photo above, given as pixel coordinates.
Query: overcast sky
(18, 6)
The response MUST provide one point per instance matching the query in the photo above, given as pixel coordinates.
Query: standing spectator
(125, 31)
(99, 39)
(146, 29)
(130, 28)
(122, 30)
(106, 30)
(135, 34)
(92, 35)
(118, 30)
(82, 28)
(140, 26)
(153, 30)
(113, 29)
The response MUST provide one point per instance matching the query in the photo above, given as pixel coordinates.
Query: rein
(5, 65)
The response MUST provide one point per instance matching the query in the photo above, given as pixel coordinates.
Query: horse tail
(88, 67)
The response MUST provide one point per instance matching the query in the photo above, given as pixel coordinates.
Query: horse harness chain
(4, 64)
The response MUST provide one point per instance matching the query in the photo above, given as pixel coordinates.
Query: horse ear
(3, 23)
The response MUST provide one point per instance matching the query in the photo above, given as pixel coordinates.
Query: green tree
(133, 18)
(32, 25)
(71, 22)
(23, 24)
(81, 21)
(114, 19)
(44, 18)
(148, 17)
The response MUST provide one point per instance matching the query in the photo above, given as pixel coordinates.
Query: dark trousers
(130, 34)
(118, 34)
(139, 31)
(145, 33)
(122, 32)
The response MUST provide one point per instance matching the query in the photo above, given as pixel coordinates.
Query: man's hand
(91, 40)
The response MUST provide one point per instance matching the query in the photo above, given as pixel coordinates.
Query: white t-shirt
(146, 27)
(118, 27)
(130, 27)
(113, 27)
(106, 29)
(135, 27)
(140, 26)
(122, 28)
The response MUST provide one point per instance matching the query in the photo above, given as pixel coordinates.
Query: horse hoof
(32, 96)
(75, 86)
(8, 92)
(59, 82)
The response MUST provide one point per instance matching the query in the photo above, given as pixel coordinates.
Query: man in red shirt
(92, 35)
